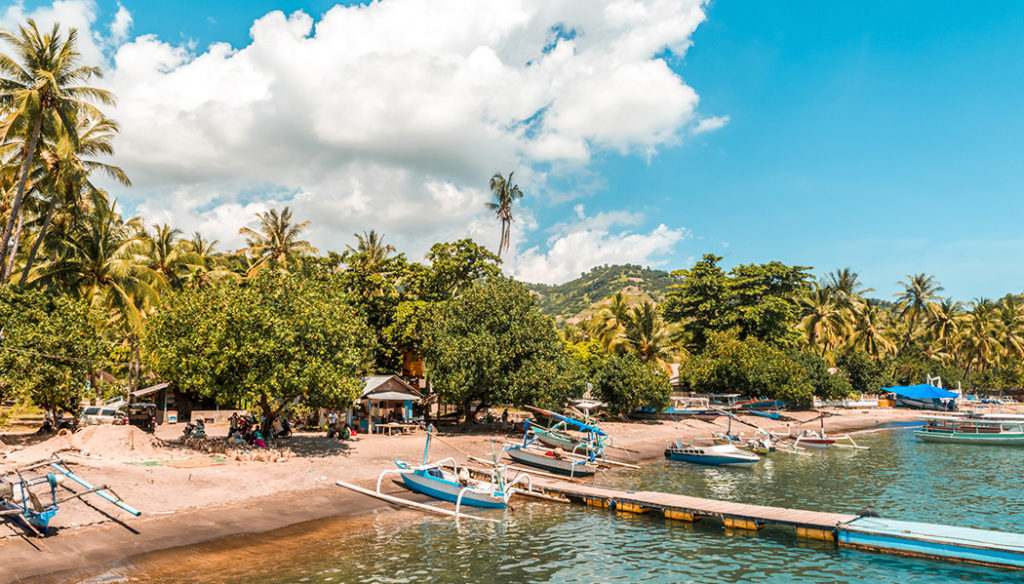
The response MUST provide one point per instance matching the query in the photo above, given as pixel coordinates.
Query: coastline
(293, 497)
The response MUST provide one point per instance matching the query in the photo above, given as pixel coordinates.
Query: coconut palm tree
(105, 261)
(207, 266)
(870, 329)
(172, 260)
(609, 323)
(916, 301)
(370, 251)
(41, 92)
(978, 346)
(646, 334)
(1010, 317)
(277, 242)
(65, 175)
(822, 321)
(505, 193)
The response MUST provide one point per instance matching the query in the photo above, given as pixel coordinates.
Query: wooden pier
(808, 524)
(904, 538)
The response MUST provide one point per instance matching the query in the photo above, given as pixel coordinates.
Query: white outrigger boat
(456, 485)
(1007, 430)
(708, 452)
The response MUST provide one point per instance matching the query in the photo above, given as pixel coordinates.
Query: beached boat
(435, 480)
(923, 397)
(762, 404)
(708, 452)
(764, 414)
(588, 438)
(552, 461)
(972, 430)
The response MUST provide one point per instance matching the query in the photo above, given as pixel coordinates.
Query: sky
(883, 137)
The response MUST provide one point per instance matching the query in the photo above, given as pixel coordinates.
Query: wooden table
(392, 427)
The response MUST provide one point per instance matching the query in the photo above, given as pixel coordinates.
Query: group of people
(245, 431)
(334, 430)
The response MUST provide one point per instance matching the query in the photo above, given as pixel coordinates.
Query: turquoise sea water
(900, 477)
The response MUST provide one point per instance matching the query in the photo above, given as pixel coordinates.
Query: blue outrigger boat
(20, 494)
(457, 486)
(581, 461)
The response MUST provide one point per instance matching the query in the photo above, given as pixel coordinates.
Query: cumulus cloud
(591, 241)
(358, 123)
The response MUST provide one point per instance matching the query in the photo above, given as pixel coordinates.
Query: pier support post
(819, 534)
(681, 515)
(748, 524)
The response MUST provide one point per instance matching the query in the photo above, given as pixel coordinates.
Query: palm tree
(646, 334)
(505, 193)
(822, 320)
(277, 242)
(65, 176)
(1010, 326)
(978, 345)
(105, 261)
(609, 323)
(917, 298)
(370, 251)
(172, 260)
(207, 266)
(41, 91)
(869, 331)
(846, 288)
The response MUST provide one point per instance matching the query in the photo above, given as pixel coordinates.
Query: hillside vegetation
(580, 296)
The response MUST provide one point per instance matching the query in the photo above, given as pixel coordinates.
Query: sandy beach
(189, 497)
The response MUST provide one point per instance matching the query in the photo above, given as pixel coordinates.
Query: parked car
(96, 415)
(142, 415)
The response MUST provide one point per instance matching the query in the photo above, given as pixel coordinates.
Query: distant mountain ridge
(579, 297)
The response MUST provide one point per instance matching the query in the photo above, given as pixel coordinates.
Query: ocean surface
(900, 477)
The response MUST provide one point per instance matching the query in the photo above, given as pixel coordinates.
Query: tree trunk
(267, 428)
(9, 266)
(35, 246)
(467, 410)
(20, 194)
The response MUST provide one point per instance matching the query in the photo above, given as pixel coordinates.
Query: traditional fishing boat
(436, 480)
(552, 461)
(708, 452)
(20, 494)
(762, 404)
(589, 437)
(774, 415)
(972, 430)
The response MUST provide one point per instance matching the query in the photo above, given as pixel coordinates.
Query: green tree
(626, 383)
(865, 373)
(492, 345)
(916, 302)
(825, 384)
(266, 342)
(646, 335)
(41, 92)
(49, 347)
(749, 367)
(276, 244)
(700, 301)
(505, 194)
(454, 267)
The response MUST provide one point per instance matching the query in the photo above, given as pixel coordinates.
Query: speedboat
(707, 452)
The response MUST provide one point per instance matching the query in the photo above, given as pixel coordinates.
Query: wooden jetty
(904, 538)
(808, 524)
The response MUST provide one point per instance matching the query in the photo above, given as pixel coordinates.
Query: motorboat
(708, 452)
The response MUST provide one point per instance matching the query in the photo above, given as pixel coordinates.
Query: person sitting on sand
(257, 439)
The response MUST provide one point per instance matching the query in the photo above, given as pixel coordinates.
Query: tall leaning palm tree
(916, 301)
(822, 321)
(505, 193)
(646, 334)
(42, 91)
(277, 242)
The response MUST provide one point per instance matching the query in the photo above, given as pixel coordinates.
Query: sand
(189, 497)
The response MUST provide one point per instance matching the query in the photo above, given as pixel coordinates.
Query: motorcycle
(195, 430)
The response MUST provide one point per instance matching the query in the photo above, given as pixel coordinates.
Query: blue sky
(881, 137)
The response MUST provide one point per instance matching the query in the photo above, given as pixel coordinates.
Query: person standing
(332, 424)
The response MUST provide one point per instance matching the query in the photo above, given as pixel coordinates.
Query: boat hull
(711, 460)
(547, 463)
(449, 491)
(1003, 439)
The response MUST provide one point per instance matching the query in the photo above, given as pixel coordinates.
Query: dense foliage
(266, 342)
(626, 383)
(48, 349)
(492, 345)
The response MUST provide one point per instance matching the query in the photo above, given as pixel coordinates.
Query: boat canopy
(922, 391)
(571, 421)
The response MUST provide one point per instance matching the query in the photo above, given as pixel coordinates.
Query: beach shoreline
(192, 506)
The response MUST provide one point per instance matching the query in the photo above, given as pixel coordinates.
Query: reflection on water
(546, 542)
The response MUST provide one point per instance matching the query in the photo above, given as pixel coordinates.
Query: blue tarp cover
(922, 391)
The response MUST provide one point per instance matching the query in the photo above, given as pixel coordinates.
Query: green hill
(579, 297)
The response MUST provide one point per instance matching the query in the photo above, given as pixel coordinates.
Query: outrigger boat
(20, 496)
(702, 451)
(818, 439)
(581, 461)
(557, 435)
(1006, 431)
(435, 480)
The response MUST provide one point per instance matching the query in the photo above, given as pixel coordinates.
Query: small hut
(385, 398)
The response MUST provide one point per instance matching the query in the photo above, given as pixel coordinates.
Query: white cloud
(121, 25)
(589, 242)
(710, 124)
(393, 115)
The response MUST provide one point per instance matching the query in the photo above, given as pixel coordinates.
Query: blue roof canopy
(922, 391)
